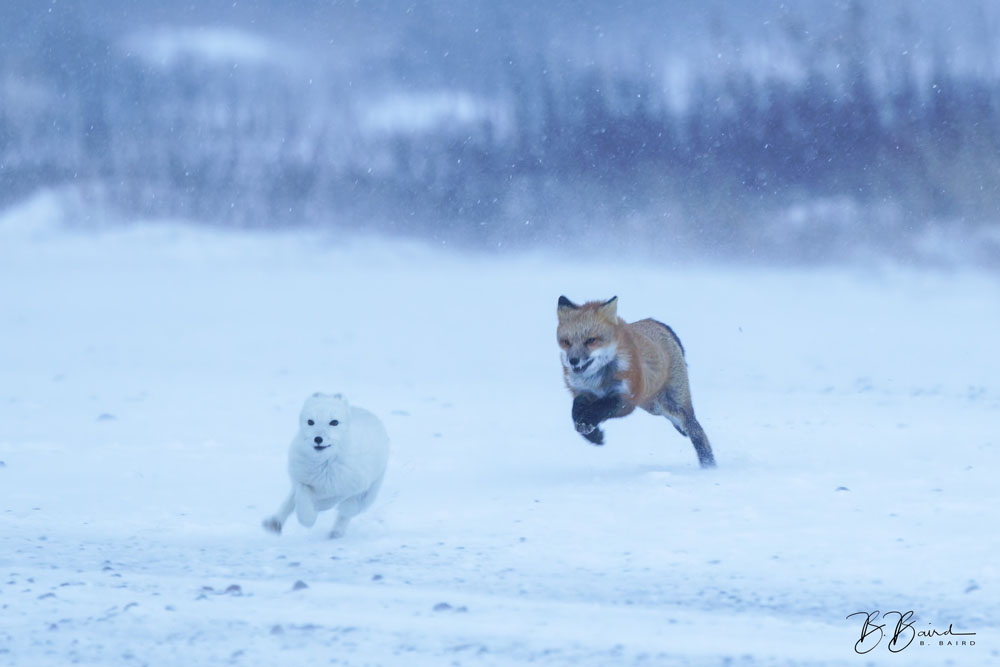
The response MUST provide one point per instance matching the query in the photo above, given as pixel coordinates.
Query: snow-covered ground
(150, 381)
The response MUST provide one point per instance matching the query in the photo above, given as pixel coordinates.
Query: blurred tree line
(832, 142)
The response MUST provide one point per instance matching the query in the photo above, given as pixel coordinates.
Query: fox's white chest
(326, 477)
(582, 384)
(601, 379)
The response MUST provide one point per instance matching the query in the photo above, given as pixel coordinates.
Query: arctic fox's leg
(340, 527)
(305, 508)
(274, 523)
(353, 506)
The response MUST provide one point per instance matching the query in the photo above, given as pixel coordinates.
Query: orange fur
(612, 367)
(650, 358)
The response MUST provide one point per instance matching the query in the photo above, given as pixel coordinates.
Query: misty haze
(210, 211)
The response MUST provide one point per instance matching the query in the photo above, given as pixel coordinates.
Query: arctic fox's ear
(566, 303)
(318, 394)
(610, 308)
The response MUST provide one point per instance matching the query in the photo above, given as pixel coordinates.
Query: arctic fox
(337, 459)
(612, 367)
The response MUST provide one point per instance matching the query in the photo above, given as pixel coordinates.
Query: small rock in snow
(299, 585)
(444, 606)
(376, 577)
(106, 417)
(842, 488)
(234, 589)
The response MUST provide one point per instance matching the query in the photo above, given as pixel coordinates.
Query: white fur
(590, 380)
(346, 474)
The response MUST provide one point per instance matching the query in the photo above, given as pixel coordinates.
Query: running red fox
(612, 367)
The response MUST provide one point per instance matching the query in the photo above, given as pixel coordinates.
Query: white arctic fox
(337, 459)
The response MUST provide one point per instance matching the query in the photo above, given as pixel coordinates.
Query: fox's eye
(310, 422)
(334, 422)
(564, 342)
(590, 341)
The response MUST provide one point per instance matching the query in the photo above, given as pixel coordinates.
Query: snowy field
(150, 381)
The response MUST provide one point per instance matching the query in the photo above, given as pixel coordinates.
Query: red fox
(612, 367)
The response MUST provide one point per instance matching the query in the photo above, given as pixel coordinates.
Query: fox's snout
(320, 438)
(580, 363)
(582, 356)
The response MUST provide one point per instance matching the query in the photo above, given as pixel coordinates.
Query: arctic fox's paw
(584, 428)
(340, 527)
(272, 525)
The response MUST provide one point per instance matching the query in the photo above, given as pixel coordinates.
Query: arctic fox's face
(323, 422)
(586, 335)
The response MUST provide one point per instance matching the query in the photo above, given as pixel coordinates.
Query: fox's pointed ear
(610, 308)
(566, 303)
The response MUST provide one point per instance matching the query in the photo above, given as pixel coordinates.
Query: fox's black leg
(686, 423)
(700, 442)
(589, 411)
(596, 436)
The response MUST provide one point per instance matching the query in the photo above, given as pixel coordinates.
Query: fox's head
(324, 422)
(586, 335)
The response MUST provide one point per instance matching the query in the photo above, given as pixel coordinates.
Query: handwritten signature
(903, 632)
